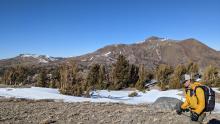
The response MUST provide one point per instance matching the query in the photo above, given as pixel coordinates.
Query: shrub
(133, 94)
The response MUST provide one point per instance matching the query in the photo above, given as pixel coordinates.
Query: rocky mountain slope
(154, 51)
(150, 52)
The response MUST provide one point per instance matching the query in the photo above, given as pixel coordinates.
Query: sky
(64, 28)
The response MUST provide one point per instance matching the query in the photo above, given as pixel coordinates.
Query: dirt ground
(21, 111)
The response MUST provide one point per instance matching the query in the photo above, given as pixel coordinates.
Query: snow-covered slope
(97, 96)
(216, 90)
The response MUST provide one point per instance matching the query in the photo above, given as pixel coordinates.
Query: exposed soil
(21, 111)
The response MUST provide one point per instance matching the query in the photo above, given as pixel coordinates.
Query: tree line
(71, 79)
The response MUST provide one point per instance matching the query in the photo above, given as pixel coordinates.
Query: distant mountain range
(29, 59)
(150, 52)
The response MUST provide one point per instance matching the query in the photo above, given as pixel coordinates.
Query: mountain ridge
(150, 52)
(154, 51)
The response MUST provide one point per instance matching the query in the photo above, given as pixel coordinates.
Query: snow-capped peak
(41, 58)
(50, 58)
(29, 55)
(163, 39)
(140, 42)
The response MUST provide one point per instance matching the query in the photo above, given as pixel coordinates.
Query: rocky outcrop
(166, 104)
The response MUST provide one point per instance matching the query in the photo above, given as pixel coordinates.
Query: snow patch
(42, 60)
(30, 55)
(163, 39)
(139, 42)
(91, 58)
(111, 59)
(216, 90)
(217, 108)
(107, 54)
(97, 96)
(52, 58)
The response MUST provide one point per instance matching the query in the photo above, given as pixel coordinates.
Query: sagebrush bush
(133, 94)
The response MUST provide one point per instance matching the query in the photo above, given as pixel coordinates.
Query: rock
(165, 104)
(48, 121)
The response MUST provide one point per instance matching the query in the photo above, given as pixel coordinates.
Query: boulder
(166, 104)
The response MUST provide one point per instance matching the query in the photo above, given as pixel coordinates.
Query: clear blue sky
(75, 27)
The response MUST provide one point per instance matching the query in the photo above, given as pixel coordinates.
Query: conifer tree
(175, 79)
(121, 73)
(143, 78)
(163, 73)
(133, 75)
(41, 80)
(211, 76)
(68, 80)
(192, 68)
(102, 81)
(93, 79)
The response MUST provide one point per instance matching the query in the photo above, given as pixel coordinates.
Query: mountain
(151, 52)
(29, 59)
(154, 51)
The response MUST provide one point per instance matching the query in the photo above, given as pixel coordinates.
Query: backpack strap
(196, 89)
(195, 92)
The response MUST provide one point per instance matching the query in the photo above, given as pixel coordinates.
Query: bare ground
(21, 111)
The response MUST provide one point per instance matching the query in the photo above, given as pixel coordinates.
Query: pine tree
(15, 75)
(175, 79)
(192, 68)
(93, 79)
(142, 73)
(41, 80)
(21, 73)
(102, 81)
(10, 76)
(121, 73)
(55, 79)
(6, 76)
(63, 78)
(163, 73)
(70, 80)
(210, 76)
(133, 75)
